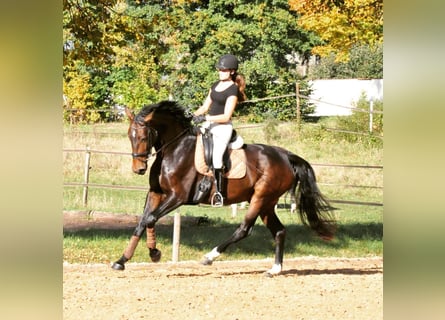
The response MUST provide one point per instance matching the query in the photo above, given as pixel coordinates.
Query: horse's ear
(148, 117)
(129, 113)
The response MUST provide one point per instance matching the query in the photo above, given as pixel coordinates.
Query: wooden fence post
(86, 176)
(234, 208)
(297, 97)
(371, 109)
(176, 236)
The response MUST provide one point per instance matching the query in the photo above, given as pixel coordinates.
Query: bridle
(153, 136)
(152, 133)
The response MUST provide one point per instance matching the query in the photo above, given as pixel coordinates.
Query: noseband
(152, 137)
(142, 154)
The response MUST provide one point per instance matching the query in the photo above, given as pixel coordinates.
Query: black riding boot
(217, 198)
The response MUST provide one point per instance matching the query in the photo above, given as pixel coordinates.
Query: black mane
(168, 107)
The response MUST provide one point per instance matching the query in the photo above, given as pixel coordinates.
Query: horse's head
(156, 125)
(142, 138)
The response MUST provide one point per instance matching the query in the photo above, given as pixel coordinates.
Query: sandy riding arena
(308, 288)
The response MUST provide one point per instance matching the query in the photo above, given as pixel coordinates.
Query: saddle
(234, 158)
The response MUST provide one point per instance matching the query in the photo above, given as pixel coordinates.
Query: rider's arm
(228, 111)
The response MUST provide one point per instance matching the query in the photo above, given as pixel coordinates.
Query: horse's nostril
(141, 171)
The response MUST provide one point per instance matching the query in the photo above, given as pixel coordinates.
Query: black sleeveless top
(219, 98)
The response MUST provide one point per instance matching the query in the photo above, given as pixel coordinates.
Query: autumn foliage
(341, 24)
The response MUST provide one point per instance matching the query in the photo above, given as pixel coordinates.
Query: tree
(138, 52)
(365, 63)
(261, 34)
(341, 24)
(117, 44)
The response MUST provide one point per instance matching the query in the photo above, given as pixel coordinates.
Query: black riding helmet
(227, 61)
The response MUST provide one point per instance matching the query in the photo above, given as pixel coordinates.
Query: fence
(86, 183)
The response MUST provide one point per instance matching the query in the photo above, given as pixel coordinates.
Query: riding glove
(199, 119)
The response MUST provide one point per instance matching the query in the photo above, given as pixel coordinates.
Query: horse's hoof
(274, 271)
(206, 262)
(118, 266)
(155, 255)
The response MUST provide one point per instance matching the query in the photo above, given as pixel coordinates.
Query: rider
(220, 103)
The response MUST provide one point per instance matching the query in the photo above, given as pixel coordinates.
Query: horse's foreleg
(152, 201)
(163, 205)
(155, 254)
(131, 247)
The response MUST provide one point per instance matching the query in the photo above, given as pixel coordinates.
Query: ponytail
(240, 81)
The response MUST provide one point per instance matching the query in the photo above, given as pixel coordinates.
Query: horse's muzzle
(139, 167)
(140, 171)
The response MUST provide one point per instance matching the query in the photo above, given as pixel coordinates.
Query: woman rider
(219, 105)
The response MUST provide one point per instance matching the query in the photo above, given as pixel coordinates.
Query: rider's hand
(199, 119)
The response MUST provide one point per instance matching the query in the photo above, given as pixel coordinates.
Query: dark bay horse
(271, 171)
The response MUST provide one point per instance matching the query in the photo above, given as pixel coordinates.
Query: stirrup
(217, 200)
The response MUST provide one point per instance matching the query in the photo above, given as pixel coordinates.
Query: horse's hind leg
(240, 233)
(278, 231)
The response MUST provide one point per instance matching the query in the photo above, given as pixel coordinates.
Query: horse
(173, 180)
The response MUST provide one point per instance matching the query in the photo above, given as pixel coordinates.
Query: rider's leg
(221, 134)
(218, 197)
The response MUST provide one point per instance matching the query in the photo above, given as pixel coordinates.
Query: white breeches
(221, 137)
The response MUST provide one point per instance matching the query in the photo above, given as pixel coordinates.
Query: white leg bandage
(212, 255)
(276, 269)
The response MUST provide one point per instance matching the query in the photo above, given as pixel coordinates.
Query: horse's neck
(169, 134)
(184, 143)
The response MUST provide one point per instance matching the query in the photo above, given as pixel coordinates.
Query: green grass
(360, 231)
(360, 234)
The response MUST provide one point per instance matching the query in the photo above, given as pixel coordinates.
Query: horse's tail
(313, 207)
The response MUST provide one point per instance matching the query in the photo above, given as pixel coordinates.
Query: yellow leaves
(77, 91)
(296, 5)
(120, 6)
(182, 2)
(77, 95)
(341, 25)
